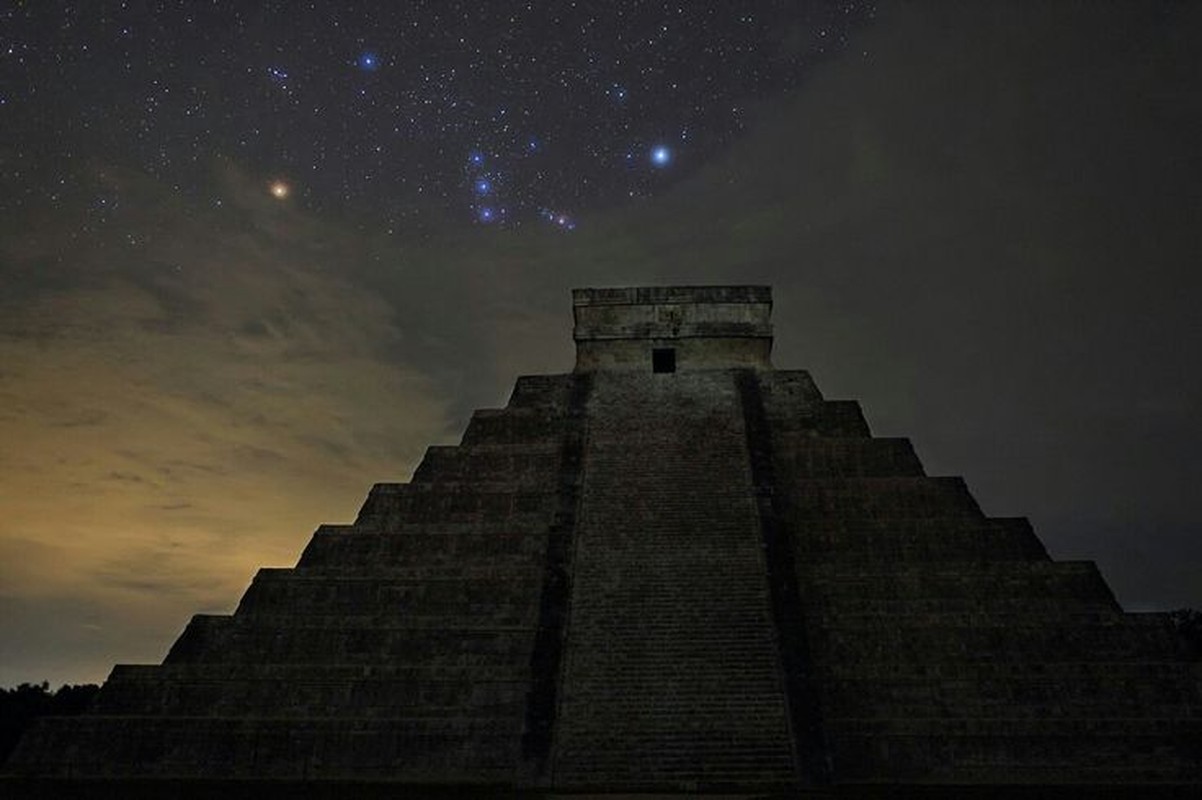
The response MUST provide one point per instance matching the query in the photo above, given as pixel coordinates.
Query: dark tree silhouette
(19, 707)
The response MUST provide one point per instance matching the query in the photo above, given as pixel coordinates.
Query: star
(279, 190)
(483, 186)
(661, 156)
(559, 219)
(368, 61)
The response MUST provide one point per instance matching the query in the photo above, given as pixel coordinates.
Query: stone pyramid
(674, 570)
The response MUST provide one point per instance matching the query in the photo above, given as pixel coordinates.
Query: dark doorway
(663, 359)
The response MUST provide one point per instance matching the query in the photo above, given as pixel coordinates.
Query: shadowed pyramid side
(948, 647)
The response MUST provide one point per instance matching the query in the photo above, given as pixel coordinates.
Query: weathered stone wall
(707, 327)
(634, 355)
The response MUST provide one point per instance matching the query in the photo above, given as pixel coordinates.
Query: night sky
(255, 257)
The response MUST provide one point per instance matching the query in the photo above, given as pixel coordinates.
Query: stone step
(1004, 587)
(513, 567)
(1144, 624)
(670, 653)
(315, 692)
(515, 425)
(830, 609)
(391, 505)
(1019, 727)
(1051, 694)
(489, 593)
(665, 611)
(455, 749)
(800, 456)
(979, 707)
(1082, 672)
(835, 418)
(339, 673)
(793, 403)
(789, 393)
(945, 638)
(657, 755)
(337, 640)
(1113, 726)
(1104, 752)
(496, 570)
(700, 467)
(878, 498)
(426, 547)
(542, 391)
(916, 540)
(499, 616)
(628, 704)
(523, 465)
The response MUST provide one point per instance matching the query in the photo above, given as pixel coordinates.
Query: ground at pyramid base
(674, 571)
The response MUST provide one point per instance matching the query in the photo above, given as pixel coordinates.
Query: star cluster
(493, 113)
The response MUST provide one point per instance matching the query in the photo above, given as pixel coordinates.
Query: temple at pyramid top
(672, 328)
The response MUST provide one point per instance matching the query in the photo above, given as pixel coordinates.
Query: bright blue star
(368, 61)
(486, 214)
(661, 156)
(483, 186)
(475, 158)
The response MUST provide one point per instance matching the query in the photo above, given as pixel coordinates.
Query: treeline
(19, 707)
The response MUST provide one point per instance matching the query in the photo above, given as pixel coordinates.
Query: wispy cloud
(190, 416)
